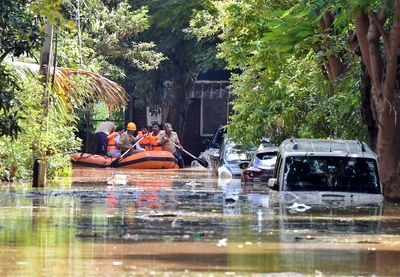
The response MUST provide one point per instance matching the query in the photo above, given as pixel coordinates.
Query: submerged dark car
(212, 145)
(262, 165)
(216, 140)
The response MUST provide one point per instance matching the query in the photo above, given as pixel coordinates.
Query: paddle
(201, 161)
(117, 160)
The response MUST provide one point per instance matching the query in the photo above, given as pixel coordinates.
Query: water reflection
(187, 221)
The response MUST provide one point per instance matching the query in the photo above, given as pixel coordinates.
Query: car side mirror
(273, 183)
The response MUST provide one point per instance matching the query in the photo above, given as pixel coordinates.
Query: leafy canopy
(279, 50)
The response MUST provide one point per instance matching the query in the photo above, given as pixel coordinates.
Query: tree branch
(382, 16)
(379, 26)
(334, 65)
(361, 28)
(376, 60)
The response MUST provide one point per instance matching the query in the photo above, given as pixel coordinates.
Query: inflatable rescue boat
(142, 160)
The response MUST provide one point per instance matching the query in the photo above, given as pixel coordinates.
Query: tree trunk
(379, 51)
(367, 110)
(177, 101)
(175, 107)
(388, 150)
(40, 166)
(334, 65)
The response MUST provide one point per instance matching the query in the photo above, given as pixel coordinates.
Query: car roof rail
(295, 145)
(362, 147)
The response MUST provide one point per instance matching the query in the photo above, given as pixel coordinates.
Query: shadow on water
(186, 221)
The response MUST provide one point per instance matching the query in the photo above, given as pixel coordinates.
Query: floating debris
(299, 207)
(162, 215)
(117, 263)
(117, 179)
(222, 242)
(224, 173)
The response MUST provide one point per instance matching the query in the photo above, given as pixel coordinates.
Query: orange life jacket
(153, 141)
(111, 141)
(145, 142)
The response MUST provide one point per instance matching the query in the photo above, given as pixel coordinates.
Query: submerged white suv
(321, 171)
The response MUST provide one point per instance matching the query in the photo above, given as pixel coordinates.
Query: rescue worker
(128, 139)
(113, 147)
(167, 140)
(154, 137)
(100, 136)
(145, 143)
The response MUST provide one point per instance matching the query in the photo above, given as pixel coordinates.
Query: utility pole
(39, 167)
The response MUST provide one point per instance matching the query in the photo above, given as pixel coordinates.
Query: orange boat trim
(142, 160)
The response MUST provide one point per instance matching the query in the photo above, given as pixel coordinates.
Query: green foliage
(9, 106)
(104, 44)
(100, 113)
(186, 56)
(49, 138)
(51, 11)
(279, 51)
(118, 42)
(19, 28)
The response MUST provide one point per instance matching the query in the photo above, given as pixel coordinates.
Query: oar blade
(115, 162)
(202, 162)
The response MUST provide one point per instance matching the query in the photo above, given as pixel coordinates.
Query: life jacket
(145, 142)
(111, 141)
(153, 141)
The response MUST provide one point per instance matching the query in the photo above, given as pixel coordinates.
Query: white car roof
(325, 147)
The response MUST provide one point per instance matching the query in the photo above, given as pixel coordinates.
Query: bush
(44, 136)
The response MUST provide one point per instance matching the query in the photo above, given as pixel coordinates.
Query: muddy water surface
(186, 222)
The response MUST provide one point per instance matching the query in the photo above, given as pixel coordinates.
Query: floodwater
(185, 223)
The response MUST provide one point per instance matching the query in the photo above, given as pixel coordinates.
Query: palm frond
(97, 88)
(101, 88)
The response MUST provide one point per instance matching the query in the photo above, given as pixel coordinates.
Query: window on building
(214, 113)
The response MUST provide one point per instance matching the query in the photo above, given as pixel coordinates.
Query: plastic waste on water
(299, 207)
(223, 172)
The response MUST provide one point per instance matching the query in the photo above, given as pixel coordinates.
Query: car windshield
(234, 154)
(340, 174)
(265, 159)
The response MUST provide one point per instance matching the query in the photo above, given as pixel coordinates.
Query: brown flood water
(186, 222)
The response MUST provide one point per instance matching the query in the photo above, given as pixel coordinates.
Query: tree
(9, 106)
(105, 45)
(186, 57)
(255, 32)
(378, 32)
(55, 114)
(290, 81)
(15, 19)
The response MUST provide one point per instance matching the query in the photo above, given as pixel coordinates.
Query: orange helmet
(131, 126)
